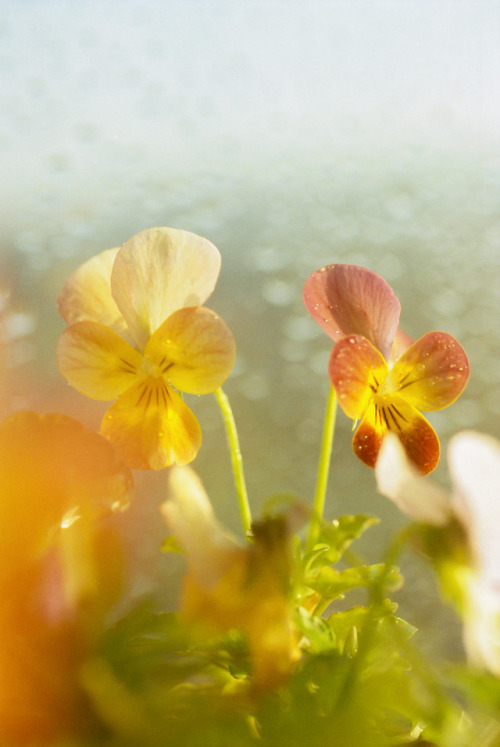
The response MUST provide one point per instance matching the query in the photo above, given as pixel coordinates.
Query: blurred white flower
(474, 502)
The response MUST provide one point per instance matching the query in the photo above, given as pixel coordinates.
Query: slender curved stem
(236, 460)
(323, 467)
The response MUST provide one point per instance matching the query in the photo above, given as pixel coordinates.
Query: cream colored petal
(474, 461)
(96, 361)
(397, 479)
(189, 515)
(481, 632)
(86, 294)
(161, 270)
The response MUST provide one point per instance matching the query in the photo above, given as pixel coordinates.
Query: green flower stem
(323, 468)
(236, 460)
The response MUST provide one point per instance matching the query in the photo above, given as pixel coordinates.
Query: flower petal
(414, 431)
(351, 300)
(97, 361)
(151, 426)
(161, 270)
(194, 348)
(481, 625)
(356, 371)
(229, 586)
(86, 294)
(189, 515)
(420, 498)
(432, 373)
(51, 465)
(474, 461)
(401, 342)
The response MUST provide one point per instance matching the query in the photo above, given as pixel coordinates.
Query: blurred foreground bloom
(466, 549)
(61, 568)
(229, 586)
(138, 332)
(381, 376)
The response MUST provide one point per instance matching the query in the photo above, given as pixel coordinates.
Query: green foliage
(357, 680)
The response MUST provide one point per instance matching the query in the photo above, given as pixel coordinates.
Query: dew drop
(70, 517)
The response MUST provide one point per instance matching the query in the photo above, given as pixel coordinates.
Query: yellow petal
(392, 412)
(86, 294)
(431, 373)
(97, 361)
(194, 348)
(356, 370)
(151, 426)
(161, 270)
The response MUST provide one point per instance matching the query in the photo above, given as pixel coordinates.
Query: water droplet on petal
(70, 517)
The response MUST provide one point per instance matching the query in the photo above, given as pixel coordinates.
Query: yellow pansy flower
(139, 334)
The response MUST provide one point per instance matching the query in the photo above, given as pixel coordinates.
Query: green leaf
(336, 537)
(333, 584)
(318, 632)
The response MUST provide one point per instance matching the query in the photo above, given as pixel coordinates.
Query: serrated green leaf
(318, 632)
(336, 537)
(333, 584)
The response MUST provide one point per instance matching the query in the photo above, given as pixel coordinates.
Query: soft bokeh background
(292, 134)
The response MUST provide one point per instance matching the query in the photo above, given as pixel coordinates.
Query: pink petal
(401, 342)
(351, 300)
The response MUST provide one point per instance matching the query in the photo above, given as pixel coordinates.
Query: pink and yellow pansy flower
(381, 376)
(139, 334)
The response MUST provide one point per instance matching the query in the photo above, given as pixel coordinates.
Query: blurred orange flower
(62, 567)
(138, 332)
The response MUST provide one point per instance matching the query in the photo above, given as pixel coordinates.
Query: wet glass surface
(291, 135)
